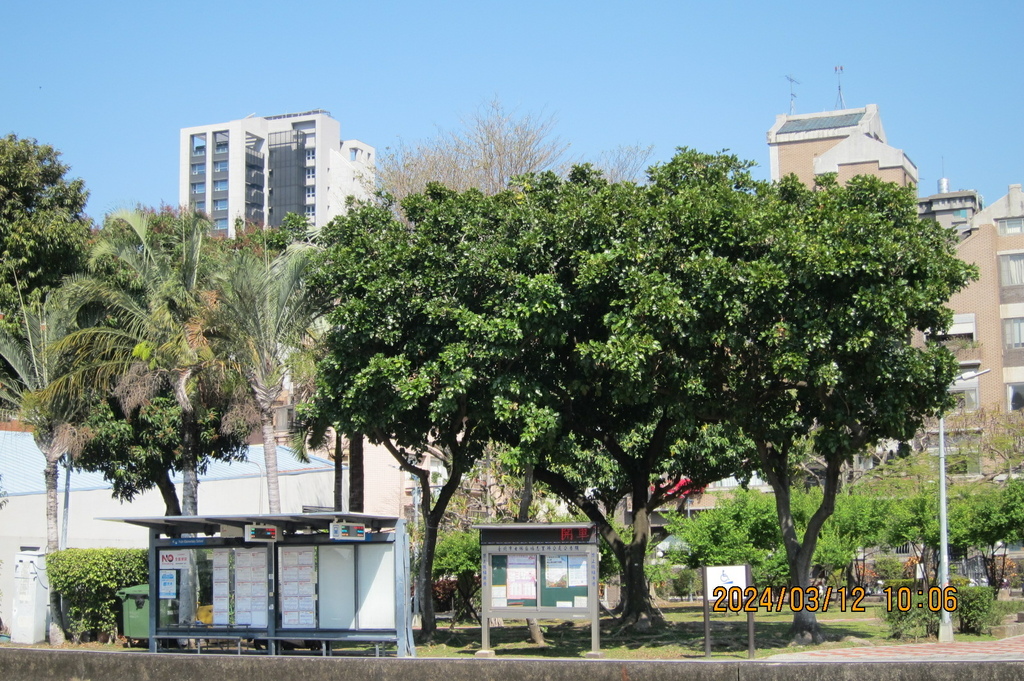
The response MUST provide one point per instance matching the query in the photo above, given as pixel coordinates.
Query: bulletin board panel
(534, 570)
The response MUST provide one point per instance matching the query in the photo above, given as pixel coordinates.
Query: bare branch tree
(493, 146)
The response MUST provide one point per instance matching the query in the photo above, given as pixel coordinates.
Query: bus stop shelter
(313, 578)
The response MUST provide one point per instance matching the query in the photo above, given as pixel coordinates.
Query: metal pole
(750, 619)
(707, 613)
(945, 622)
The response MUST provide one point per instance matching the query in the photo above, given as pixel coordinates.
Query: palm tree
(263, 311)
(151, 288)
(30, 368)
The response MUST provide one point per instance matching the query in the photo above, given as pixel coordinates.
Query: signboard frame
(559, 560)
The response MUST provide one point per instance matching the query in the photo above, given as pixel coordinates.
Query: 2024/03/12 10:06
(820, 599)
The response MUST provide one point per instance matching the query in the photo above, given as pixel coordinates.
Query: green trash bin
(135, 608)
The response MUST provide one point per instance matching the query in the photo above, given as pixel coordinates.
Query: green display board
(558, 581)
(539, 570)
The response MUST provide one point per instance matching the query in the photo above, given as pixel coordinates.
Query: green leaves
(88, 580)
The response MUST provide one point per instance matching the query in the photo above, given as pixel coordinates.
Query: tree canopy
(42, 228)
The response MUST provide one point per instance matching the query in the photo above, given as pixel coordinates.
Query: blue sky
(111, 83)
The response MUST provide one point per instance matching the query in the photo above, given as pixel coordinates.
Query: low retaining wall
(31, 664)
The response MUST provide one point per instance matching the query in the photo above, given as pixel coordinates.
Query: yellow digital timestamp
(934, 599)
(796, 598)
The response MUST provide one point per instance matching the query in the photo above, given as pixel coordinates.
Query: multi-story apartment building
(848, 142)
(258, 169)
(988, 328)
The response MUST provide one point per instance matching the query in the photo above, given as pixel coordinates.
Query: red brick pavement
(1005, 649)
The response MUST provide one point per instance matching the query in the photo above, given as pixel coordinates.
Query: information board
(537, 570)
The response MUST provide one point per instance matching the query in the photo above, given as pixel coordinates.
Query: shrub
(974, 609)
(888, 568)
(88, 580)
(917, 622)
(458, 557)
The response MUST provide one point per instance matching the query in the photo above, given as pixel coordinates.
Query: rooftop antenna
(840, 103)
(792, 95)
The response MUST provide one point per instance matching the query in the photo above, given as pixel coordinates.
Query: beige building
(849, 142)
(988, 328)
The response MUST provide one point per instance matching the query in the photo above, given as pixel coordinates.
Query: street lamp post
(945, 621)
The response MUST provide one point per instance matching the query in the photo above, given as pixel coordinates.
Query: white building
(225, 489)
(259, 169)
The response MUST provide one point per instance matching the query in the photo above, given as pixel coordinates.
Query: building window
(220, 166)
(310, 154)
(310, 173)
(220, 204)
(1013, 333)
(310, 192)
(220, 185)
(310, 211)
(1011, 269)
(198, 168)
(353, 154)
(1015, 396)
(198, 145)
(198, 187)
(199, 206)
(221, 148)
(220, 224)
(1010, 226)
(966, 399)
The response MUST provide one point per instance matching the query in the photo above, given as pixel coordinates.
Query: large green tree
(413, 351)
(841, 283)
(42, 228)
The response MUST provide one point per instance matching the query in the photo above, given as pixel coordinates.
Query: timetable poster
(221, 584)
(298, 587)
(521, 580)
(251, 587)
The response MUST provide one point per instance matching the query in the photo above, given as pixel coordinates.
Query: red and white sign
(175, 560)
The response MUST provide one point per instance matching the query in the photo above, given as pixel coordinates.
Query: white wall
(23, 518)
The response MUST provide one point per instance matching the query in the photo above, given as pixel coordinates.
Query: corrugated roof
(821, 123)
(22, 464)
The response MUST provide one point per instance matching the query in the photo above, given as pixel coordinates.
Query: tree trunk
(51, 472)
(339, 473)
(424, 581)
(637, 608)
(355, 472)
(169, 494)
(270, 459)
(189, 446)
(800, 552)
(536, 633)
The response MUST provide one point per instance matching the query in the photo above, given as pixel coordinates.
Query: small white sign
(725, 576)
(168, 584)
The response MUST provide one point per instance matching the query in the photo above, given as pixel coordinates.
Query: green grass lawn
(682, 637)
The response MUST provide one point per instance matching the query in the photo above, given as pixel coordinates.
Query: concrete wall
(23, 664)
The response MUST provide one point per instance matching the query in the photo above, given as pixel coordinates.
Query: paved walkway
(1005, 649)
